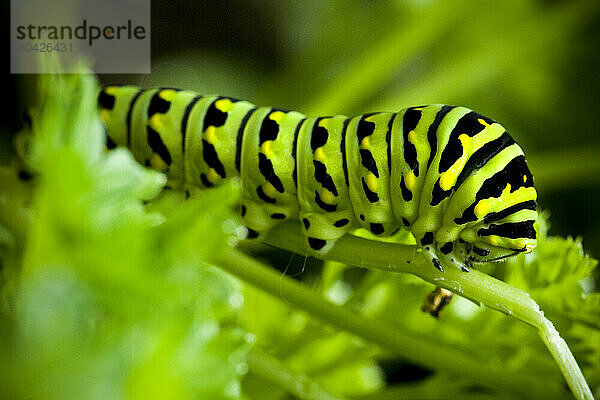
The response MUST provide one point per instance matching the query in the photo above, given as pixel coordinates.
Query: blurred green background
(531, 65)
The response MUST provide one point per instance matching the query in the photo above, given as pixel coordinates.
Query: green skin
(455, 179)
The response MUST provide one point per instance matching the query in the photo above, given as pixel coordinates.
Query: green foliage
(559, 276)
(478, 332)
(110, 300)
(341, 362)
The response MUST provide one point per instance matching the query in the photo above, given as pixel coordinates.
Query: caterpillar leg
(430, 253)
(254, 220)
(320, 246)
(323, 230)
(434, 257)
(453, 259)
(260, 218)
(453, 254)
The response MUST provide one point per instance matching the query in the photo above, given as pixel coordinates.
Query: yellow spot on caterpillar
(410, 180)
(266, 148)
(448, 178)
(167, 94)
(482, 208)
(156, 122)
(324, 122)
(482, 122)
(465, 140)
(364, 144)
(224, 105)
(372, 182)
(157, 162)
(277, 116)
(212, 176)
(210, 134)
(493, 240)
(412, 137)
(105, 115)
(269, 189)
(524, 178)
(327, 196)
(112, 90)
(319, 154)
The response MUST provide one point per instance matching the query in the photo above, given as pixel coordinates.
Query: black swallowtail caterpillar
(454, 178)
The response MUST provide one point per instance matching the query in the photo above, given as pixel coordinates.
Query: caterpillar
(454, 178)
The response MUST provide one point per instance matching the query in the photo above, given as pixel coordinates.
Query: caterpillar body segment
(326, 211)
(455, 179)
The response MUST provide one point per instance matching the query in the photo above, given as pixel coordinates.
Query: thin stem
(412, 346)
(475, 285)
(274, 371)
(565, 360)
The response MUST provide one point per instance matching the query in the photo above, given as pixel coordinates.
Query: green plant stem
(274, 371)
(475, 285)
(412, 346)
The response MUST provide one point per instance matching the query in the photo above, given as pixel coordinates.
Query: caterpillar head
(482, 251)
